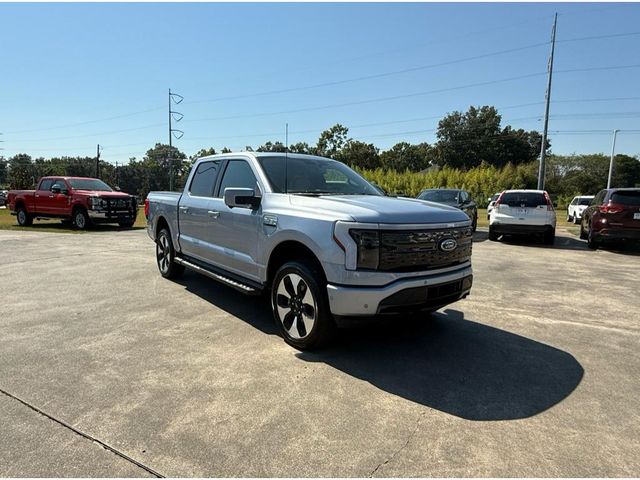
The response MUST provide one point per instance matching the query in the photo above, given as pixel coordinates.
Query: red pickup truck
(79, 200)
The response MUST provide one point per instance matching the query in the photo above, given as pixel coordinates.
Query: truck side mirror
(241, 198)
(56, 189)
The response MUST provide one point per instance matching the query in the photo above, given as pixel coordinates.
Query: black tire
(583, 234)
(80, 219)
(165, 256)
(592, 243)
(493, 236)
(576, 220)
(569, 218)
(550, 237)
(23, 217)
(300, 305)
(127, 224)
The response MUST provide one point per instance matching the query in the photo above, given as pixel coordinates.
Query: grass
(9, 222)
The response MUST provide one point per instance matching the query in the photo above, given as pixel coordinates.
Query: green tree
(301, 147)
(156, 163)
(405, 156)
(203, 152)
(271, 147)
(332, 141)
(360, 154)
(465, 140)
(22, 172)
(4, 171)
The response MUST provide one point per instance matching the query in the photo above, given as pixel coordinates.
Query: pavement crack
(75, 430)
(398, 451)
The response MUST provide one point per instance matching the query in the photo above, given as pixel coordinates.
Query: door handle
(184, 209)
(37, 196)
(213, 214)
(51, 196)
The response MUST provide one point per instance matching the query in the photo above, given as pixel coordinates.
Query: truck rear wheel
(165, 255)
(24, 219)
(300, 305)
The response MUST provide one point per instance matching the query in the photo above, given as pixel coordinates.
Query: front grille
(418, 250)
(118, 204)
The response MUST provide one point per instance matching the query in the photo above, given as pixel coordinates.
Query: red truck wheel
(24, 219)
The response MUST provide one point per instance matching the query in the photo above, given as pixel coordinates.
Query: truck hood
(97, 193)
(374, 209)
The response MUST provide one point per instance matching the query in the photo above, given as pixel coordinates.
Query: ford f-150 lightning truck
(318, 237)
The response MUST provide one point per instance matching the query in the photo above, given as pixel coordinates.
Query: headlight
(368, 242)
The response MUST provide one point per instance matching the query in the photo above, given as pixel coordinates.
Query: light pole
(613, 149)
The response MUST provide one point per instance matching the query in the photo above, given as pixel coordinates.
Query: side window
(46, 184)
(204, 179)
(238, 174)
(599, 198)
(464, 196)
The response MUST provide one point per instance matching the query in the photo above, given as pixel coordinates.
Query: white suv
(523, 212)
(576, 207)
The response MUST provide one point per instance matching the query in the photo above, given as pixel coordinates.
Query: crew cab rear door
(195, 212)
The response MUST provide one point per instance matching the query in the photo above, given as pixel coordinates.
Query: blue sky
(74, 75)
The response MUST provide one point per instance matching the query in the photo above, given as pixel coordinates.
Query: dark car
(614, 214)
(453, 197)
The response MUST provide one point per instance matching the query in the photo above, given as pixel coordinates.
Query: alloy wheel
(163, 254)
(297, 308)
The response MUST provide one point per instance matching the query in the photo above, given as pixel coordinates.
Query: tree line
(472, 151)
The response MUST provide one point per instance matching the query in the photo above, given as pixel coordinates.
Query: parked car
(576, 207)
(453, 197)
(79, 200)
(492, 201)
(614, 214)
(3, 197)
(316, 235)
(523, 212)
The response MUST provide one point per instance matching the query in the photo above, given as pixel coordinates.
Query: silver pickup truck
(325, 243)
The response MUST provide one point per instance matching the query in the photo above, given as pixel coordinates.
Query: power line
(68, 125)
(370, 77)
(598, 37)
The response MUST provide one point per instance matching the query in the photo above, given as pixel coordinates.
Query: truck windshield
(440, 196)
(89, 184)
(313, 176)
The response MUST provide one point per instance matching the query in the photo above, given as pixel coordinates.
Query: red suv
(613, 214)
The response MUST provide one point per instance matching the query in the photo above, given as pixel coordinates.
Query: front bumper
(412, 294)
(111, 217)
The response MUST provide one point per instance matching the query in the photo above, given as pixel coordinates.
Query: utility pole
(172, 131)
(98, 161)
(613, 149)
(546, 108)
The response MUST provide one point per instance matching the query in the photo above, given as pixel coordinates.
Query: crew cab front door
(44, 197)
(234, 232)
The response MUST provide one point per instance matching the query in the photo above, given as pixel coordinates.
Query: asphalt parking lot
(106, 369)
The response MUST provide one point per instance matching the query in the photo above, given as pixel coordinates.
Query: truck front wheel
(24, 219)
(165, 254)
(81, 219)
(300, 305)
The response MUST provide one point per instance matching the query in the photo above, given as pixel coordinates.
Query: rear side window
(626, 198)
(585, 201)
(238, 174)
(523, 199)
(204, 179)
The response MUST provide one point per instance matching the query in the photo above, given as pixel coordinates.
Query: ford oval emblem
(448, 245)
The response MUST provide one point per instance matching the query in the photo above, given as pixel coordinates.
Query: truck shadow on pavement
(445, 361)
(457, 366)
